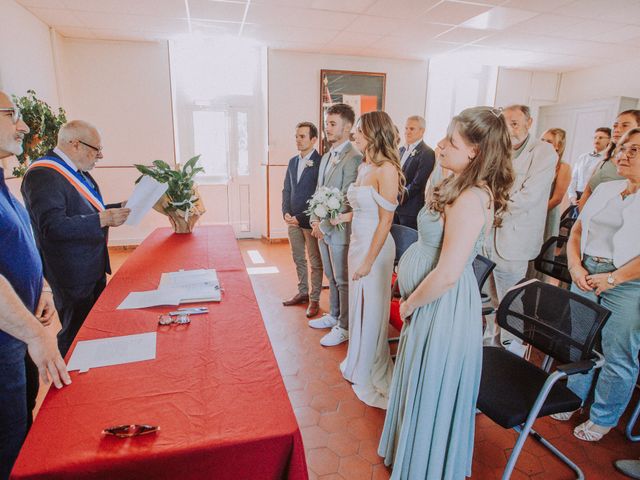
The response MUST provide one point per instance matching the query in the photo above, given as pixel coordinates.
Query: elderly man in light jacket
(520, 237)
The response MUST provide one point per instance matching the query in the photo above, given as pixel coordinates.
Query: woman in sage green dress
(429, 428)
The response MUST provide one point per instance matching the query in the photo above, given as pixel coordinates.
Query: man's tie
(87, 179)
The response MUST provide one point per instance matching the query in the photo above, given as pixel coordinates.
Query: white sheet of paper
(199, 285)
(147, 192)
(151, 298)
(188, 278)
(113, 351)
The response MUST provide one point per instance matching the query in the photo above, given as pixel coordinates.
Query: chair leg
(527, 429)
(632, 423)
(566, 460)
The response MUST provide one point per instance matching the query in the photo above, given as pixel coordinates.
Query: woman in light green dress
(429, 427)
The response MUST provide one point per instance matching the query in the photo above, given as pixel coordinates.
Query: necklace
(626, 192)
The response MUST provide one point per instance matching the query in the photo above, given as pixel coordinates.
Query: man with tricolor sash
(70, 222)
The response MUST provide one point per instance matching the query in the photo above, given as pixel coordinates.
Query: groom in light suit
(338, 169)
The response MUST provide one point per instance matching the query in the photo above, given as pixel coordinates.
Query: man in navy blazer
(70, 223)
(299, 186)
(417, 160)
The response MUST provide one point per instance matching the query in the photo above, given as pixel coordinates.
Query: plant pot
(177, 217)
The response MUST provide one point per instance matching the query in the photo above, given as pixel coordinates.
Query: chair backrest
(565, 226)
(403, 238)
(552, 260)
(482, 267)
(567, 219)
(570, 212)
(556, 321)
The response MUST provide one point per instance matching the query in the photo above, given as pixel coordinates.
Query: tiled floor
(340, 433)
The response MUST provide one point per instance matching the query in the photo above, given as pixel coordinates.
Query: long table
(214, 387)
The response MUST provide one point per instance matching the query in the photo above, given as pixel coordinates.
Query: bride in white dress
(373, 198)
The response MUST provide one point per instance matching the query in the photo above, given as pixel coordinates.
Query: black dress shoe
(297, 300)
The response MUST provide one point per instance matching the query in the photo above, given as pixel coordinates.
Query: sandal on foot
(564, 416)
(590, 432)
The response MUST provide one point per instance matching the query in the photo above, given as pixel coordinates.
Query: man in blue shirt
(21, 297)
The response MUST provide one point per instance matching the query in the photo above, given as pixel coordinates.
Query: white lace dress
(368, 365)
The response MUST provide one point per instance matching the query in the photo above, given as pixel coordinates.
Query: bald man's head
(12, 128)
(81, 142)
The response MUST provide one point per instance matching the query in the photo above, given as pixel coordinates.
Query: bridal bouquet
(326, 204)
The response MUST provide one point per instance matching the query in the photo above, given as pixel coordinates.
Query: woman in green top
(606, 171)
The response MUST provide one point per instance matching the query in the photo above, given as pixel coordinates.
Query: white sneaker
(325, 321)
(336, 336)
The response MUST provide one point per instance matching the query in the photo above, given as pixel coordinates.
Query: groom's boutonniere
(309, 163)
(412, 153)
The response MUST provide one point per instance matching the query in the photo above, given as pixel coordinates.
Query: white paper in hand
(147, 192)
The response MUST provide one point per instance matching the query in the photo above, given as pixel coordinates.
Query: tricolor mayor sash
(73, 177)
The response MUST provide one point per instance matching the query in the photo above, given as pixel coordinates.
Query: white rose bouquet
(326, 204)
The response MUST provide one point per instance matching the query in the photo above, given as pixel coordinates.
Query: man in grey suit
(338, 169)
(520, 237)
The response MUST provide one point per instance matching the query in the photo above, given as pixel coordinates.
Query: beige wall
(123, 88)
(617, 80)
(26, 62)
(26, 58)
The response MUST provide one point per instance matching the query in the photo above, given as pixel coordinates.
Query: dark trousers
(410, 221)
(13, 404)
(73, 305)
(33, 385)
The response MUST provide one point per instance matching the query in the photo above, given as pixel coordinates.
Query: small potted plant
(181, 202)
(43, 125)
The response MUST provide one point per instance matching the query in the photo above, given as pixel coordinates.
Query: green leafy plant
(181, 194)
(43, 124)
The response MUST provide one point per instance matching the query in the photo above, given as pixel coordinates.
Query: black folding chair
(513, 392)
(567, 219)
(632, 423)
(483, 267)
(552, 259)
(403, 237)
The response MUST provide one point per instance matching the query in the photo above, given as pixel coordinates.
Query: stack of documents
(184, 286)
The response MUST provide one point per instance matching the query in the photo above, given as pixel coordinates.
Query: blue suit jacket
(67, 229)
(417, 170)
(296, 193)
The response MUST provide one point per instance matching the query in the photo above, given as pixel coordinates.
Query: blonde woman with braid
(429, 428)
(373, 199)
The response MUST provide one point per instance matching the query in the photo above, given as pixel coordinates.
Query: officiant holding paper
(70, 222)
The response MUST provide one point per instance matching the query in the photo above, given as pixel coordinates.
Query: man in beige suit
(520, 237)
(338, 169)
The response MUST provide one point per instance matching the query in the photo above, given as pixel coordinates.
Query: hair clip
(497, 111)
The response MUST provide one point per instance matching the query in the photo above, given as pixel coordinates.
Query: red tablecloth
(214, 388)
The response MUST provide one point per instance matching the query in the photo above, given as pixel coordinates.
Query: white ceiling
(552, 35)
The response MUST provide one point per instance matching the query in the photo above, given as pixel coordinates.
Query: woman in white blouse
(604, 260)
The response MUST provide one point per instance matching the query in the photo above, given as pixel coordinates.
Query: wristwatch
(611, 280)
